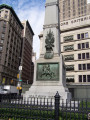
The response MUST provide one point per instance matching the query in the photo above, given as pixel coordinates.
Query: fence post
(57, 102)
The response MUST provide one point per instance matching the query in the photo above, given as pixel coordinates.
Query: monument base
(48, 92)
(49, 77)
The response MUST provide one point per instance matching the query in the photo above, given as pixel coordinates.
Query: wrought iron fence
(75, 109)
(19, 108)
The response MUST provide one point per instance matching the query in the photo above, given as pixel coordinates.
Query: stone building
(70, 9)
(27, 65)
(75, 45)
(10, 44)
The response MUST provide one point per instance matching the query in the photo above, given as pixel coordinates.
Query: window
(8, 64)
(86, 35)
(83, 45)
(4, 24)
(3, 29)
(69, 9)
(6, 11)
(78, 4)
(63, 14)
(87, 44)
(2, 36)
(73, 5)
(1, 41)
(79, 13)
(80, 78)
(78, 9)
(83, 55)
(88, 66)
(82, 3)
(69, 2)
(0, 48)
(5, 62)
(79, 46)
(87, 55)
(79, 56)
(68, 15)
(68, 12)
(82, 12)
(79, 67)
(78, 36)
(84, 66)
(88, 78)
(82, 35)
(84, 78)
(85, 1)
(5, 16)
(73, 14)
(78, 0)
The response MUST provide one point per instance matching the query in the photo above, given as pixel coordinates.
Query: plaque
(47, 71)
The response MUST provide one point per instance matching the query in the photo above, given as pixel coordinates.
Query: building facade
(70, 9)
(10, 44)
(75, 44)
(27, 65)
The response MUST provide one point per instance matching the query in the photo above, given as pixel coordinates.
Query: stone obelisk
(49, 71)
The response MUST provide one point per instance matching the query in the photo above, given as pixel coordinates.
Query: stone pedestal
(53, 82)
(49, 71)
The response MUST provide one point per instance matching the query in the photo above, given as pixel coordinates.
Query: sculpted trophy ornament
(49, 45)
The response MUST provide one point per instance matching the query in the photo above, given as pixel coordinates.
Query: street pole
(19, 84)
(20, 80)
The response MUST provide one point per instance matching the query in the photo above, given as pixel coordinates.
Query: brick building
(27, 65)
(10, 44)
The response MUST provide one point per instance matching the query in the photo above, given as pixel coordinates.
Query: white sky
(35, 16)
(88, 1)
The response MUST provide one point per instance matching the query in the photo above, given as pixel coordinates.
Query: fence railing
(19, 108)
(75, 110)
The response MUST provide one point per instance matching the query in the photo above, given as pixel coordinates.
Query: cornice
(51, 4)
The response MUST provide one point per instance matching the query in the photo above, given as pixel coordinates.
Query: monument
(49, 71)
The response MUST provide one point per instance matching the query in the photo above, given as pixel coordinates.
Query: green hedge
(19, 114)
(73, 116)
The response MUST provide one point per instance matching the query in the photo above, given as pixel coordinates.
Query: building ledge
(79, 85)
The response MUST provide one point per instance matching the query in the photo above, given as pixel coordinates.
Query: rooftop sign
(77, 22)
